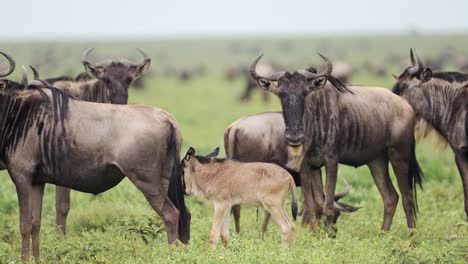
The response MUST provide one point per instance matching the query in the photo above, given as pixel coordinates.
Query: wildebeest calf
(227, 182)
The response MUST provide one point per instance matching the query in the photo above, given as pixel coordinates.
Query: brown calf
(227, 182)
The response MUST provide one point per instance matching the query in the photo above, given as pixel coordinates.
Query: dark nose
(294, 136)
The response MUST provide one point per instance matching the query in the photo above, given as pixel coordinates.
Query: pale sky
(176, 18)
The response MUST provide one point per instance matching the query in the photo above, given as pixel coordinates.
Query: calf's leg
(219, 213)
(225, 228)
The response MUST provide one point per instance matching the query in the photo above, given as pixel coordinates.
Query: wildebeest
(440, 100)
(227, 182)
(45, 138)
(332, 123)
(242, 71)
(260, 138)
(105, 82)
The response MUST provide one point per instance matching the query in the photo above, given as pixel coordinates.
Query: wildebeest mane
(451, 76)
(339, 85)
(23, 110)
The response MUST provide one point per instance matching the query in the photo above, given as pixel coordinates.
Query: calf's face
(188, 166)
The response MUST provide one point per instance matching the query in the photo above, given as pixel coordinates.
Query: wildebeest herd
(81, 135)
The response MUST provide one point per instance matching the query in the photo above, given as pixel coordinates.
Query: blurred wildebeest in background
(260, 138)
(242, 71)
(440, 100)
(328, 123)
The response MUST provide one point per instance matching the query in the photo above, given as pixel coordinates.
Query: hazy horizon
(141, 19)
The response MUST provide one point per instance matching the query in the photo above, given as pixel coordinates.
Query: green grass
(120, 227)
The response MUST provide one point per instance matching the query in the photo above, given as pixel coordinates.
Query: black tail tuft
(294, 209)
(176, 189)
(415, 176)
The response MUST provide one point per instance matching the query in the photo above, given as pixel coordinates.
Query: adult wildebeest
(327, 124)
(440, 100)
(260, 138)
(44, 138)
(105, 82)
(228, 182)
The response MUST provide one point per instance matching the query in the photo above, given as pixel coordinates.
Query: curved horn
(24, 76)
(326, 72)
(255, 76)
(84, 56)
(415, 66)
(12, 65)
(253, 68)
(346, 190)
(413, 60)
(35, 72)
(145, 56)
(394, 76)
(419, 61)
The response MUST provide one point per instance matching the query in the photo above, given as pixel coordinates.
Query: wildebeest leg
(62, 207)
(265, 96)
(220, 209)
(399, 158)
(225, 228)
(379, 171)
(330, 186)
(36, 209)
(236, 213)
(265, 223)
(248, 90)
(462, 164)
(310, 213)
(285, 225)
(168, 212)
(23, 191)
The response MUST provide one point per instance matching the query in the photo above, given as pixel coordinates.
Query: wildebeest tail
(415, 176)
(466, 128)
(176, 187)
(292, 186)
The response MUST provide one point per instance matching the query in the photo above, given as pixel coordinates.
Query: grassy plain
(120, 227)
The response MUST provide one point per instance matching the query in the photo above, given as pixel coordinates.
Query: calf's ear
(213, 154)
(190, 153)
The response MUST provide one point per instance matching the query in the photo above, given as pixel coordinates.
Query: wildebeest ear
(213, 154)
(318, 83)
(426, 75)
(3, 85)
(95, 71)
(346, 208)
(265, 84)
(190, 153)
(142, 68)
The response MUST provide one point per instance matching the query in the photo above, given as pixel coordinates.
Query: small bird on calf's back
(228, 182)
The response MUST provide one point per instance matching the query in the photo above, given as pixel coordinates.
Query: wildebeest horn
(346, 190)
(35, 72)
(394, 76)
(326, 72)
(84, 56)
(24, 76)
(414, 63)
(413, 60)
(255, 76)
(145, 56)
(12, 65)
